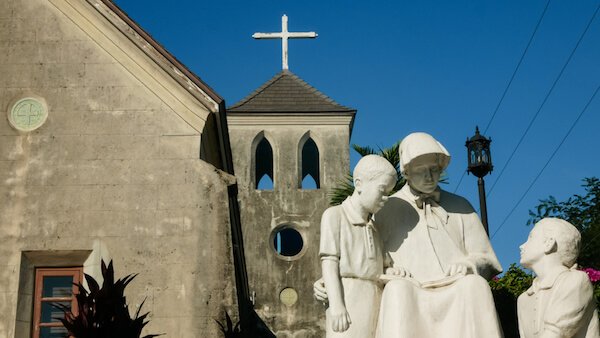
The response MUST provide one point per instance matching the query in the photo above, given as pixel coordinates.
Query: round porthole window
(287, 242)
(28, 113)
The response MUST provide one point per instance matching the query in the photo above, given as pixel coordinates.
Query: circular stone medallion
(288, 296)
(28, 114)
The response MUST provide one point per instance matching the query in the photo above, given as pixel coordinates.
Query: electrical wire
(517, 68)
(547, 162)
(537, 113)
(510, 81)
(460, 181)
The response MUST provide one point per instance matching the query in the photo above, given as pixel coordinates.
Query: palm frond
(444, 178)
(342, 190)
(345, 187)
(363, 151)
(391, 154)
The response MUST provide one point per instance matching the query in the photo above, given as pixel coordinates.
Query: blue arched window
(310, 165)
(264, 165)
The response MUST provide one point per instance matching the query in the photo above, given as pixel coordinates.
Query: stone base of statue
(460, 306)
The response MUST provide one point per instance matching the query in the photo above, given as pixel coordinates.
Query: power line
(547, 162)
(545, 100)
(517, 68)
(460, 181)
(510, 81)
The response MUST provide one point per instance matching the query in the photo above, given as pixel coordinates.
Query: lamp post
(480, 164)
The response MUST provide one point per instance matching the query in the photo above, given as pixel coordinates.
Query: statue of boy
(560, 302)
(351, 253)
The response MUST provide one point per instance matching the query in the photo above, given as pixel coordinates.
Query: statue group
(417, 263)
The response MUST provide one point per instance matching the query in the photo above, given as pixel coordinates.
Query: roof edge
(181, 74)
(231, 111)
(237, 107)
(257, 91)
(162, 51)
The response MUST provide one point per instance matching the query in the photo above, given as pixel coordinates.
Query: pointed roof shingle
(287, 93)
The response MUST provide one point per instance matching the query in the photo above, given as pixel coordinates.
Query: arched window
(264, 165)
(310, 165)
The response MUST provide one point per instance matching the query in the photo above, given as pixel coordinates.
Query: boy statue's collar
(351, 213)
(544, 284)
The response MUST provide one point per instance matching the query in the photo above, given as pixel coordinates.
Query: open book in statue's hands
(424, 285)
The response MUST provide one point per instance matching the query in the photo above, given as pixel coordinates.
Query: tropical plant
(229, 330)
(345, 188)
(583, 211)
(505, 290)
(515, 281)
(103, 311)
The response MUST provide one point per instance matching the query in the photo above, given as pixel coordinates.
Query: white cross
(284, 35)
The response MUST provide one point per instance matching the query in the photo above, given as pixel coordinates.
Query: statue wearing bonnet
(439, 255)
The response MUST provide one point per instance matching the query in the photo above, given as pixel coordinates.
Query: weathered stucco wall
(114, 162)
(262, 211)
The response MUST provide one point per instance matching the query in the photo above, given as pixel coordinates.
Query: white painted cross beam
(284, 35)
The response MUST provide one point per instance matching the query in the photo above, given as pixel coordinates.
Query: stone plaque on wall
(28, 113)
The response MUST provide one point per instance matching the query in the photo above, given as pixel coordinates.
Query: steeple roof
(287, 93)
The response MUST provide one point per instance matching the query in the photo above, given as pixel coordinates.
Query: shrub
(103, 311)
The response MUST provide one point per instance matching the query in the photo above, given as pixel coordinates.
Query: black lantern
(480, 164)
(480, 159)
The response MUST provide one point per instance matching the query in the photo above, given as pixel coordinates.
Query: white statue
(441, 257)
(560, 302)
(351, 254)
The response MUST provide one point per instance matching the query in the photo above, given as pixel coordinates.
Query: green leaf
(363, 151)
(345, 187)
(583, 211)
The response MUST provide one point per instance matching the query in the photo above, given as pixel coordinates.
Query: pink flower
(593, 274)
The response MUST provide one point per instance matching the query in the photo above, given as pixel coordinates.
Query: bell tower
(290, 148)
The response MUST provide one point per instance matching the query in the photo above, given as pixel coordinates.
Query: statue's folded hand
(340, 319)
(398, 271)
(320, 292)
(458, 268)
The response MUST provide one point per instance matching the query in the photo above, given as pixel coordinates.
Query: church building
(111, 149)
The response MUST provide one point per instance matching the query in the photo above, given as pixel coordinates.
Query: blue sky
(434, 66)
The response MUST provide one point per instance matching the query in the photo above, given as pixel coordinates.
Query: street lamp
(480, 164)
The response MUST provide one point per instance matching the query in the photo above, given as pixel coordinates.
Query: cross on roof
(284, 35)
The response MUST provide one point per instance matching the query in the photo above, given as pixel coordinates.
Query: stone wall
(263, 211)
(115, 164)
